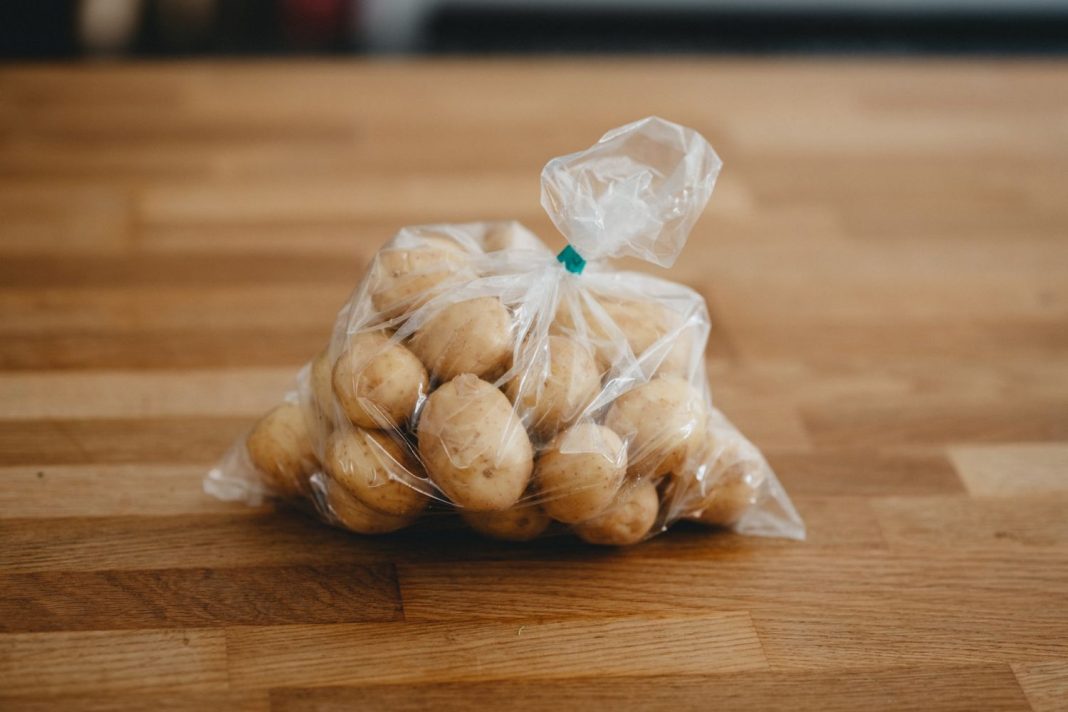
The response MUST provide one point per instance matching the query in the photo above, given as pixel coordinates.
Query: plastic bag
(471, 370)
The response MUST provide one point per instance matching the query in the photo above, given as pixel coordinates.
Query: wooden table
(886, 263)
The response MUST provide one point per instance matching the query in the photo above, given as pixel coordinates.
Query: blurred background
(52, 29)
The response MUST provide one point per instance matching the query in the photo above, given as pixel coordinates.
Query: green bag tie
(571, 260)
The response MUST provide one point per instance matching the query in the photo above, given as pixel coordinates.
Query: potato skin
(737, 482)
(403, 279)
(473, 336)
(580, 471)
(280, 447)
(357, 516)
(627, 520)
(474, 446)
(378, 383)
(662, 421)
(522, 522)
(377, 470)
(641, 322)
(572, 382)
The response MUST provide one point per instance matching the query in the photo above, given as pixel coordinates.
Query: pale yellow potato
(641, 322)
(662, 421)
(280, 447)
(473, 336)
(580, 471)
(627, 520)
(358, 517)
(377, 382)
(473, 445)
(376, 469)
(522, 522)
(737, 484)
(402, 280)
(555, 401)
(510, 236)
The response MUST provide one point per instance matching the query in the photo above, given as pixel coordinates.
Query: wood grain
(886, 267)
(990, 687)
(339, 654)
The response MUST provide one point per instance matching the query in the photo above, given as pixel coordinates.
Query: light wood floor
(886, 263)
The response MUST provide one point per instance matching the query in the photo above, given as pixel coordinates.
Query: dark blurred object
(315, 24)
(63, 28)
(45, 28)
(757, 30)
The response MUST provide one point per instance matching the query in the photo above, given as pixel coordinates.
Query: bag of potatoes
(472, 370)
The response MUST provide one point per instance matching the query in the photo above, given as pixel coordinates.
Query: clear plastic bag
(471, 370)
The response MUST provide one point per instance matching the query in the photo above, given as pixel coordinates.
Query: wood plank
(916, 424)
(950, 523)
(151, 348)
(46, 491)
(362, 652)
(841, 638)
(1045, 684)
(164, 701)
(67, 663)
(971, 585)
(101, 395)
(1013, 470)
(941, 689)
(89, 395)
(861, 472)
(197, 598)
(73, 442)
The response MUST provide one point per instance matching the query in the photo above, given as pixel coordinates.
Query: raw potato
(510, 236)
(628, 519)
(404, 279)
(580, 471)
(378, 383)
(642, 323)
(377, 470)
(662, 421)
(522, 522)
(280, 447)
(572, 382)
(473, 445)
(472, 336)
(357, 516)
(736, 487)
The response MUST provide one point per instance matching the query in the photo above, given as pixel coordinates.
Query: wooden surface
(886, 264)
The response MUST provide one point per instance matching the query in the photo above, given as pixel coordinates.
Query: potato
(377, 470)
(357, 516)
(472, 336)
(580, 471)
(510, 236)
(403, 279)
(641, 322)
(378, 383)
(627, 520)
(736, 487)
(473, 445)
(662, 421)
(555, 401)
(280, 447)
(522, 522)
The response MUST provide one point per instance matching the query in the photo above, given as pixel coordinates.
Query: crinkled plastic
(471, 370)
